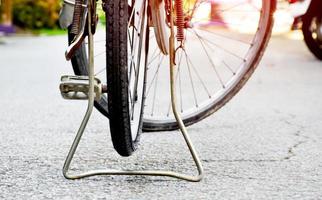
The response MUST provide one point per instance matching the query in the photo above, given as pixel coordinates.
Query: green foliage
(36, 14)
(101, 16)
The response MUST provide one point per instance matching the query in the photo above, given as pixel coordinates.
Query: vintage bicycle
(210, 47)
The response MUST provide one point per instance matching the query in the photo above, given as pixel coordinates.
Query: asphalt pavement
(264, 144)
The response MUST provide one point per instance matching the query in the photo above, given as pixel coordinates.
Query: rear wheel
(222, 46)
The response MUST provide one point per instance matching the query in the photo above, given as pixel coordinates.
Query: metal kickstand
(91, 96)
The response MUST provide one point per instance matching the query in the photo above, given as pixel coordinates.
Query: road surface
(264, 144)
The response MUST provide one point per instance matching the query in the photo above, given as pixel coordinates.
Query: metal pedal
(77, 87)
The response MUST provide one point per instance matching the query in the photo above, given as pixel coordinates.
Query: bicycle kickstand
(93, 89)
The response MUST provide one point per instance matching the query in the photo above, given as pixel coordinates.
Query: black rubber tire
(314, 46)
(117, 78)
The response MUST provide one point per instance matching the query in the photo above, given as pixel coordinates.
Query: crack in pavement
(240, 178)
(290, 152)
(303, 139)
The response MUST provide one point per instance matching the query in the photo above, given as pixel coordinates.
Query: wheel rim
(193, 81)
(136, 72)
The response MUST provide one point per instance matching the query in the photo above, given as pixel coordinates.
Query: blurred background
(41, 16)
(17, 16)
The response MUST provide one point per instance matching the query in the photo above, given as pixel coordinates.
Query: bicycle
(132, 70)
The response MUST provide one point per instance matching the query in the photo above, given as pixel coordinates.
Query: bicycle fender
(66, 14)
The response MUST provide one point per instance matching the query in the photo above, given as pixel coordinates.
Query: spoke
(151, 36)
(180, 87)
(131, 15)
(191, 81)
(223, 36)
(154, 77)
(130, 39)
(140, 36)
(230, 9)
(100, 71)
(134, 44)
(210, 60)
(101, 53)
(154, 52)
(133, 29)
(218, 22)
(132, 62)
(132, 66)
(242, 11)
(156, 56)
(230, 69)
(131, 56)
(195, 6)
(97, 41)
(216, 45)
(198, 75)
(154, 94)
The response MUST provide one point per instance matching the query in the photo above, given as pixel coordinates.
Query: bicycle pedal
(77, 87)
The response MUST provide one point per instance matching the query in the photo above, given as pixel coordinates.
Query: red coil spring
(179, 20)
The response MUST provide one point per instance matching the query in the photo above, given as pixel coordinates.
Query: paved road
(264, 144)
